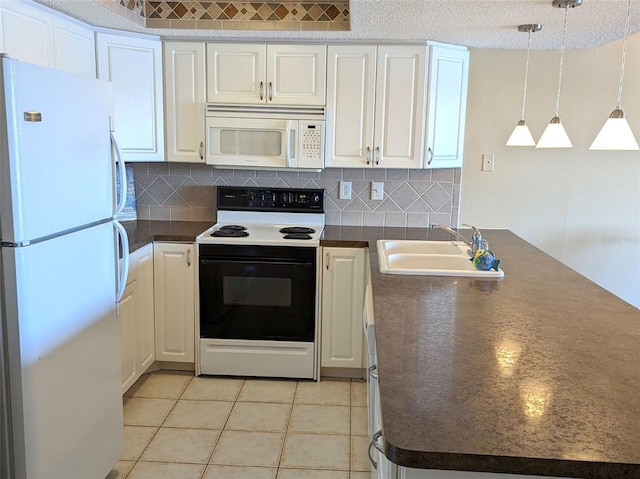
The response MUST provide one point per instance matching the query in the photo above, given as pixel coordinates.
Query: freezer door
(60, 295)
(56, 172)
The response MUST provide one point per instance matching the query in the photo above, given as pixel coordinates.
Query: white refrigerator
(61, 411)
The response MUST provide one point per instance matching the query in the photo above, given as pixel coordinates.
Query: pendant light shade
(554, 135)
(616, 133)
(521, 135)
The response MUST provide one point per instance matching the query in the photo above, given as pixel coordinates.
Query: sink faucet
(476, 242)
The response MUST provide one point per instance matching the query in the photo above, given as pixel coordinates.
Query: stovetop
(256, 216)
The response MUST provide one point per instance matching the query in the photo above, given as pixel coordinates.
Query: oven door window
(247, 299)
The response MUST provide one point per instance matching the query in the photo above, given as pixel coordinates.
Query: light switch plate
(377, 190)
(345, 190)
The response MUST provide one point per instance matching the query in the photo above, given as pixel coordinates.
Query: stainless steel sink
(437, 258)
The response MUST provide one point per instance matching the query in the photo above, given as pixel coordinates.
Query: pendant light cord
(624, 56)
(564, 34)
(526, 75)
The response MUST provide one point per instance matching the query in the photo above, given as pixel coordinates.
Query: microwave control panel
(312, 141)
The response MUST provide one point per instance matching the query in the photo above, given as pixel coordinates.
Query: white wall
(580, 206)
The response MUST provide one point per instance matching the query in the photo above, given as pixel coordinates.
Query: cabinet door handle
(189, 257)
(261, 90)
(270, 91)
(378, 155)
(200, 150)
(327, 260)
(368, 155)
(373, 371)
(429, 155)
(374, 443)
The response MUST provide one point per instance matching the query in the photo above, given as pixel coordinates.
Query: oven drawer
(257, 358)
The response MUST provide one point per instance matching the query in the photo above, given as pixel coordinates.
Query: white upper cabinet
(33, 35)
(376, 107)
(134, 67)
(252, 73)
(27, 34)
(447, 105)
(351, 76)
(296, 74)
(75, 47)
(184, 93)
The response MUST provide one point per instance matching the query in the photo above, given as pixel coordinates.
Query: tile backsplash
(414, 198)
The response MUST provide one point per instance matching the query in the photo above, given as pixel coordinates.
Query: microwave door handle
(291, 128)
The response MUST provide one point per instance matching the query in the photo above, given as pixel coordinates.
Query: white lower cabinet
(174, 280)
(137, 318)
(342, 301)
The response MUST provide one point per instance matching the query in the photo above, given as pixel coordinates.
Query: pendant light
(554, 135)
(521, 135)
(616, 133)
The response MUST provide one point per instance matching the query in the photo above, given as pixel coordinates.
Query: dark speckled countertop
(538, 373)
(142, 232)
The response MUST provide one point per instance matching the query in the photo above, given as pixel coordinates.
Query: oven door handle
(256, 261)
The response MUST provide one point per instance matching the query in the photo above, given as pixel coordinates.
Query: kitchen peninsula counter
(537, 373)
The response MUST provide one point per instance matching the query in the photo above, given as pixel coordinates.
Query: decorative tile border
(237, 15)
(132, 10)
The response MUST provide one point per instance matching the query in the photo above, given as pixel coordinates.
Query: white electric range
(258, 287)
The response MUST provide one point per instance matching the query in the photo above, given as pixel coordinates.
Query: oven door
(251, 142)
(257, 293)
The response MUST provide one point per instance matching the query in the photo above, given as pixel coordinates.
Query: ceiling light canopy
(521, 135)
(616, 133)
(554, 135)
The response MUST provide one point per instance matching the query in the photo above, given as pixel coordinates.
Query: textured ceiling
(474, 23)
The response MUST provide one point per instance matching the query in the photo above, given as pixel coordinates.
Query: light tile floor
(178, 426)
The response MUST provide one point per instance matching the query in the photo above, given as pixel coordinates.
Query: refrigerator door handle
(124, 272)
(119, 165)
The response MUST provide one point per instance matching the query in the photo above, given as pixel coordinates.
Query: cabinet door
(174, 291)
(236, 73)
(146, 325)
(135, 311)
(342, 303)
(75, 49)
(350, 103)
(27, 34)
(129, 313)
(184, 80)
(448, 74)
(134, 67)
(400, 107)
(296, 74)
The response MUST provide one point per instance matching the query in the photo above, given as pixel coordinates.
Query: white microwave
(256, 137)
